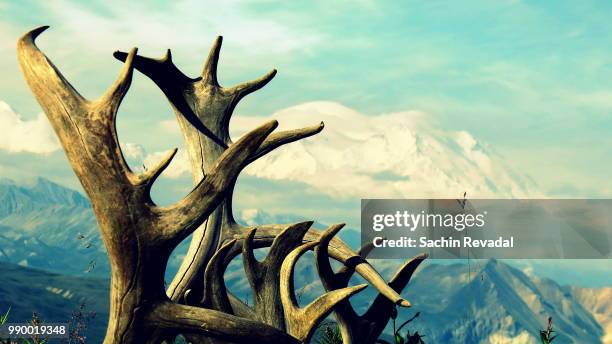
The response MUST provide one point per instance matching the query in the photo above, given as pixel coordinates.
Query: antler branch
(283, 137)
(203, 109)
(139, 236)
(215, 324)
(184, 217)
(148, 177)
(353, 327)
(264, 276)
(215, 292)
(302, 322)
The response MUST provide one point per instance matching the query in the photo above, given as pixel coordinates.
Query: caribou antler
(264, 276)
(203, 109)
(139, 235)
(272, 283)
(302, 322)
(364, 328)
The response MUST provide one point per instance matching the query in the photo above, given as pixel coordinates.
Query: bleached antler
(302, 322)
(356, 328)
(138, 234)
(203, 109)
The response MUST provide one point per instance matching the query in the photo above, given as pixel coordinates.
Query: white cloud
(249, 216)
(170, 126)
(31, 136)
(501, 337)
(139, 159)
(180, 23)
(388, 155)
(133, 151)
(178, 167)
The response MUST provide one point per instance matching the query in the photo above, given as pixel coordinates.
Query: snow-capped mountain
(392, 155)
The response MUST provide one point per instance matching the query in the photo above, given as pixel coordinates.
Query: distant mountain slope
(42, 193)
(54, 297)
(499, 304)
(360, 155)
(599, 302)
(45, 225)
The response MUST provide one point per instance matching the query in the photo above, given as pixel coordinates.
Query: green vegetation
(4, 317)
(546, 336)
(331, 335)
(408, 338)
(77, 326)
(36, 339)
(35, 321)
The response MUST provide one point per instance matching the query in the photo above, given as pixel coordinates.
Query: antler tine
(149, 176)
(365, 250)
(346, 317)
(403, 275)
(161, 71)
(209, 72)
(327, 274)
(302, 322)
(115, 94)
(380, 311)
(246, 88)
(42, 76)
(287, 241)
(397, 282)
(252, 266)
(284, 137)
(215, 292)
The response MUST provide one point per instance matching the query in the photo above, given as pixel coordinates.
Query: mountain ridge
(54, 229)
(453, 309)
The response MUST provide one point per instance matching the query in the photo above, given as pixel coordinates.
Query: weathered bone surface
(356, 328)
(300, 320)
(203, 109)
(140, 236)
(264, 276)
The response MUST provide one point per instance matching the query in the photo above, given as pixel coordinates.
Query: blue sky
(522, 86)
(530, 78)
